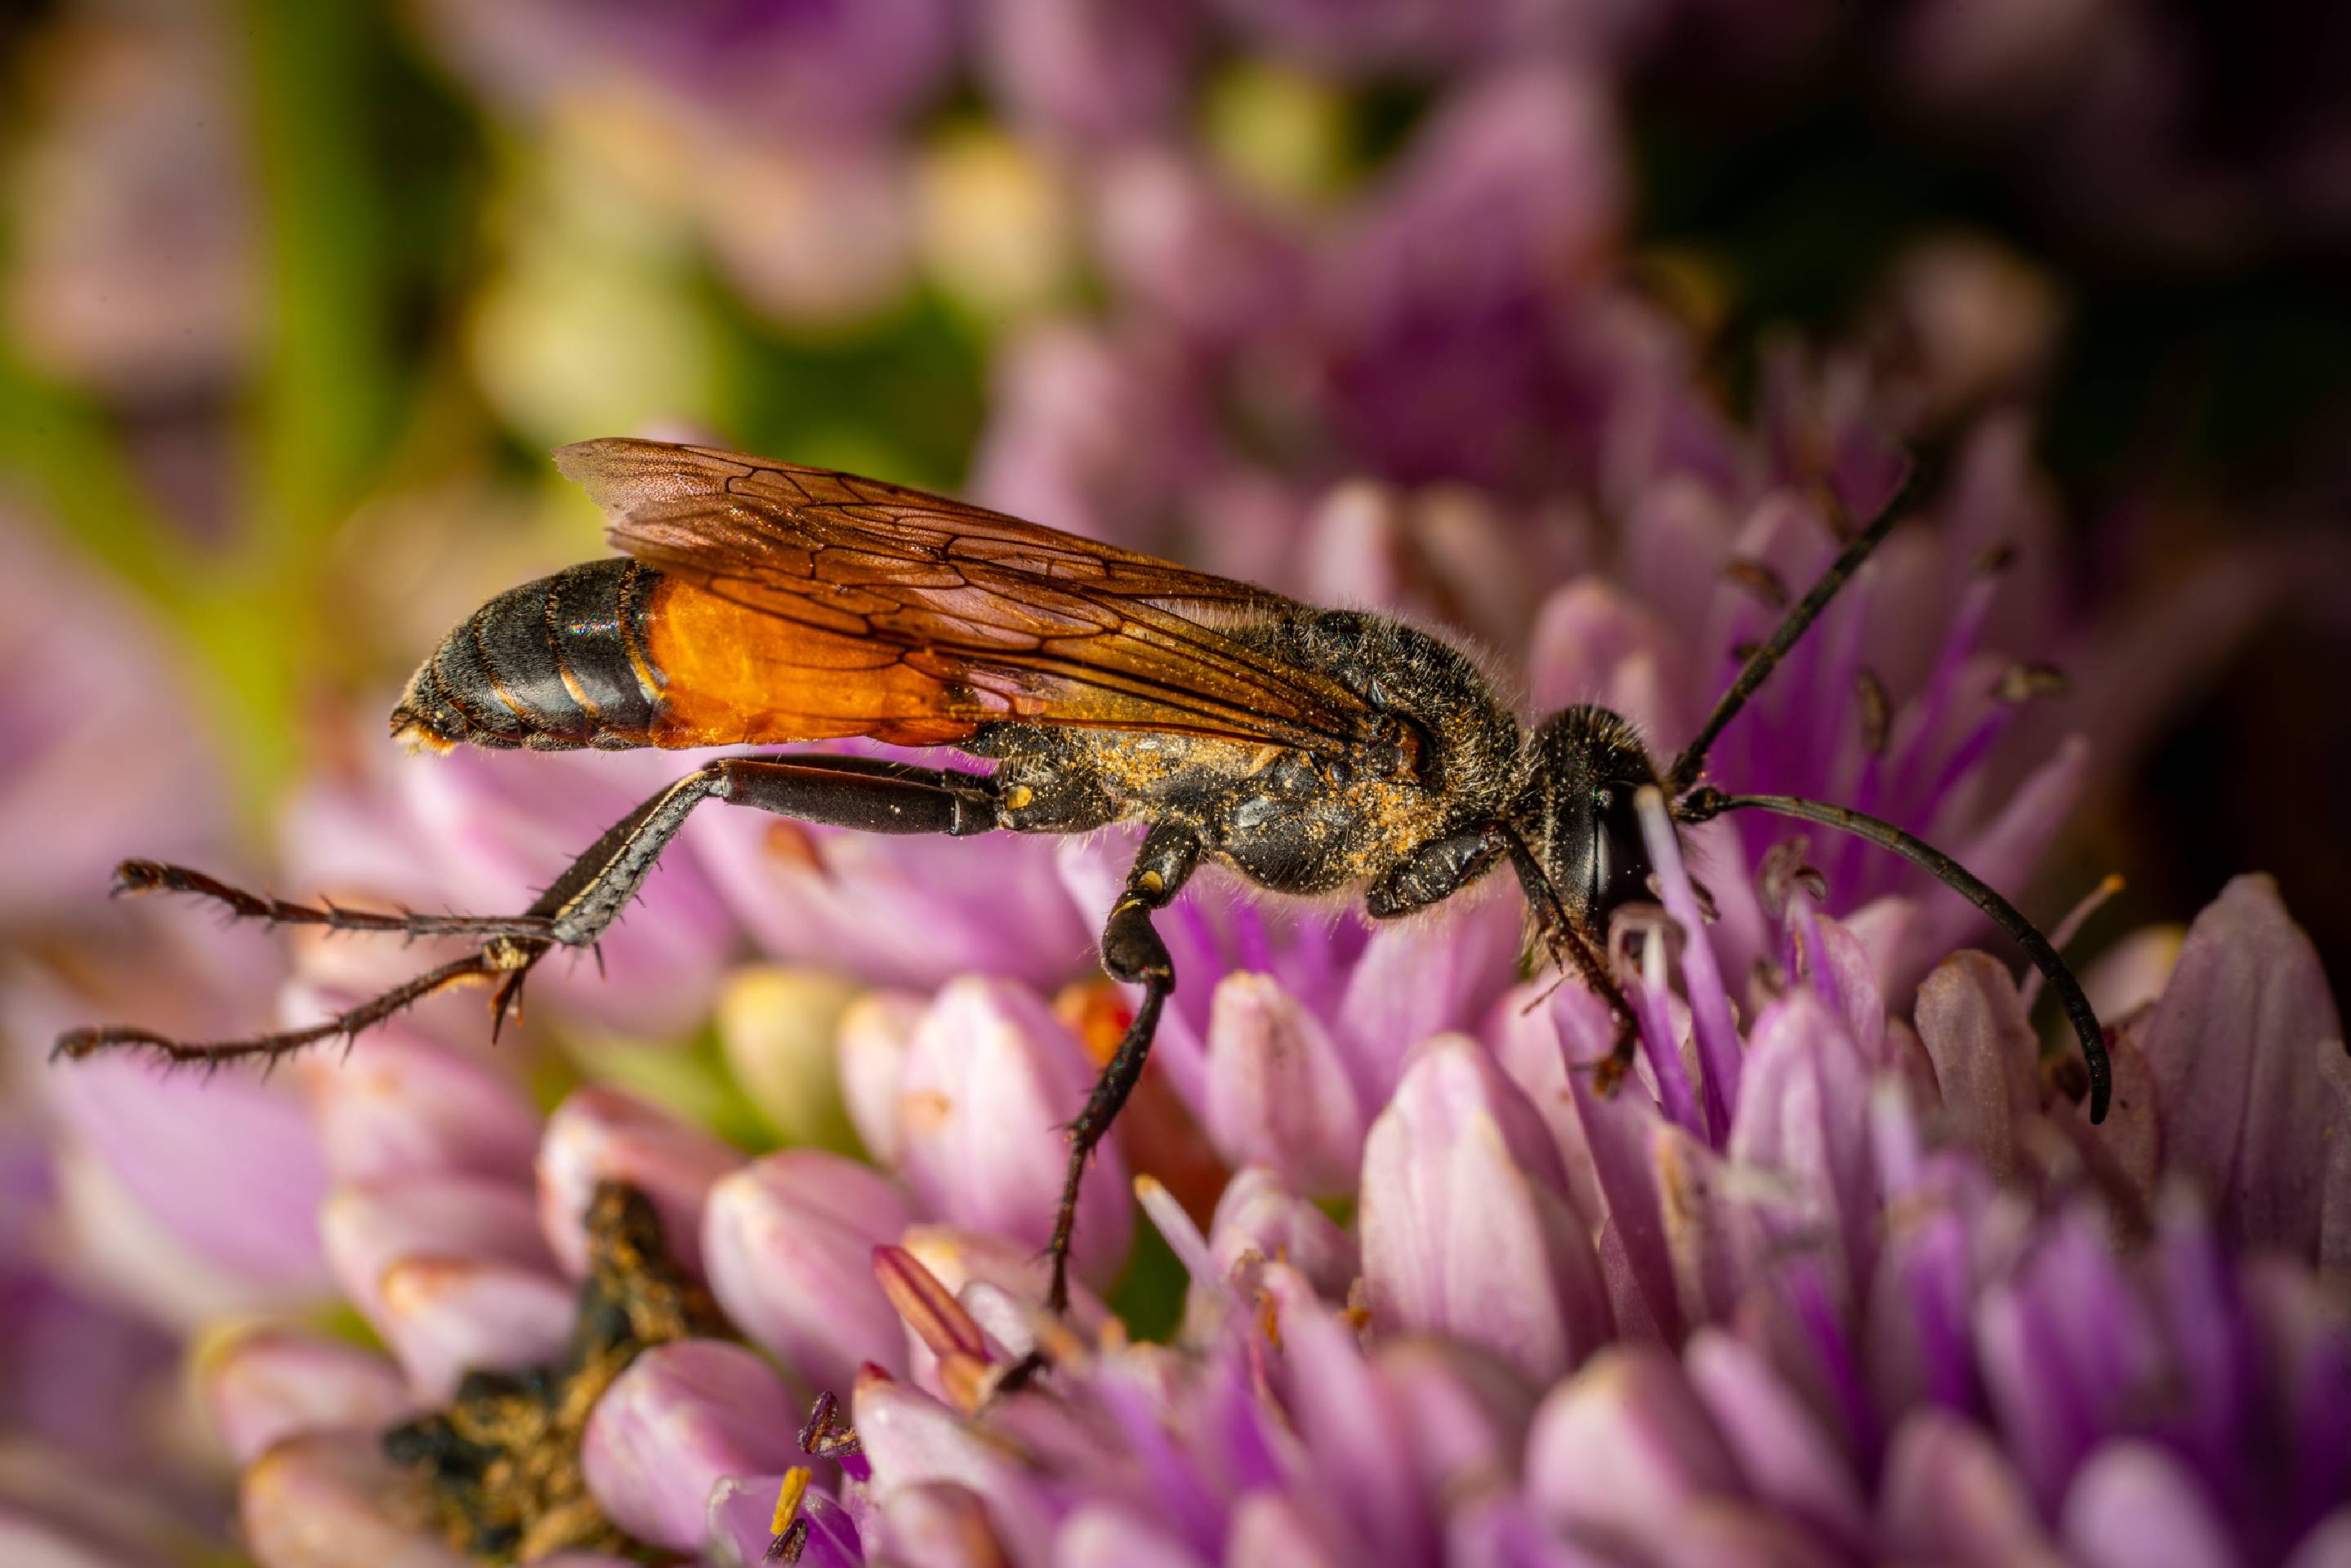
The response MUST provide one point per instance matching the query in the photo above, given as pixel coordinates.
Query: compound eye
(1620, 857)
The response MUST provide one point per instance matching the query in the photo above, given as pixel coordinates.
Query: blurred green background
(299, 295)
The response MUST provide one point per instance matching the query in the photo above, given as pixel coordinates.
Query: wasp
(1311, 751)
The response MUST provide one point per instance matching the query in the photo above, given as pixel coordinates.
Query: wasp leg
(862, 793)
(1131, 952)
(1436, 871)
(842, 792)
(1571, 945)
(161, 877)
(490, 962)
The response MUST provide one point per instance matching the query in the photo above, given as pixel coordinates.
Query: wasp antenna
(1703, 804)
(1762, 661)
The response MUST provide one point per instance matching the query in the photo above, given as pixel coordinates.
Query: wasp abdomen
(553, 665)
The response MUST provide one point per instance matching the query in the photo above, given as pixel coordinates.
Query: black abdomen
(552, 665)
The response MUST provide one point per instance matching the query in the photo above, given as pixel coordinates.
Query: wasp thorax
(1577, 811)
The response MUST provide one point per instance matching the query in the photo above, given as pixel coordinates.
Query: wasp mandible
(1310, 751)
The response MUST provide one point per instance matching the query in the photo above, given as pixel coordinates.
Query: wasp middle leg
(862, 793)
(1131, 951)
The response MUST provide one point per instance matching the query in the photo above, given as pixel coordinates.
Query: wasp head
(1576, 811)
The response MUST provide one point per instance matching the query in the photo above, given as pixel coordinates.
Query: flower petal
(2328, 1546)
(934, 1524)
(990, 1078)
(1466, 1225)
(1788, 1459)
(913, 1440)
(2251, 1079)
(1804, 1115)
(1625, 1448)
(1270, 1527)
(871, 1051)
(266, 1384)
(603, 1134)
(789, 1241)
(330, 1500)
(1258, 1214)
(1470, 1413)
(680, 1417)
(1985, 1057)
(2134, 1506)
(742, 1508)
(453, 1272)
(1105, 1535)
(161, 1138)
(401, 1103)
(1949, 1497)
(1279, 1093)
(1417, 978)
(1524, 1038)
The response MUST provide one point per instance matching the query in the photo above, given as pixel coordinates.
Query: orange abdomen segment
(614, 654)
(728, 674)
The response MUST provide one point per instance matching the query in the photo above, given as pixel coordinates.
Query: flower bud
(1258, 1214)
(330, 1500)
(789, 1241)
(777, 1027)
(2258, 1125)
(915, 1442)
(401, 1103)
(264, 1384)
(603, 1134)
(936, 1524)
(869, 1056)
(1626, 1447)
(1107, 1535)
(991, 1077)
(1467, 1228)
(2132, 1503)
(1278, 1095)
(453, 1272)
(1950, 1496)
(680, 1417)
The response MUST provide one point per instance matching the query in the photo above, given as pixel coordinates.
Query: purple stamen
(1925, 718)
(1719, 1047)
(1648, 993)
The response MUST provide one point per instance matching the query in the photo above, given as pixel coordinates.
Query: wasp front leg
(580, 906)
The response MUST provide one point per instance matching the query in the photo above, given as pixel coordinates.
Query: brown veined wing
(820, 604)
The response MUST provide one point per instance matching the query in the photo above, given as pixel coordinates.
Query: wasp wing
(914, 616)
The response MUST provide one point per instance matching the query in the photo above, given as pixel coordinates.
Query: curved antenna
(1703, 804)
(1792, 626)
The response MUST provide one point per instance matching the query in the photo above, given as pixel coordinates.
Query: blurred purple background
(1437, 304)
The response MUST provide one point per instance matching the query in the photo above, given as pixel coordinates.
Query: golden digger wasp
(1310, 751)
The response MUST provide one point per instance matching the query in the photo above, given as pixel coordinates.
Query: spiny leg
(582, 903)
(162, 876)
(1572, 946)
(1131, 952)
(500, 958)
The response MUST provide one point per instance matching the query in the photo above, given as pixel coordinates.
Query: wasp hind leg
(862, 793)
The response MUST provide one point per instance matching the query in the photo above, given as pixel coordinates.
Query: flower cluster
(1839, 1273)
(1904, 1302)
